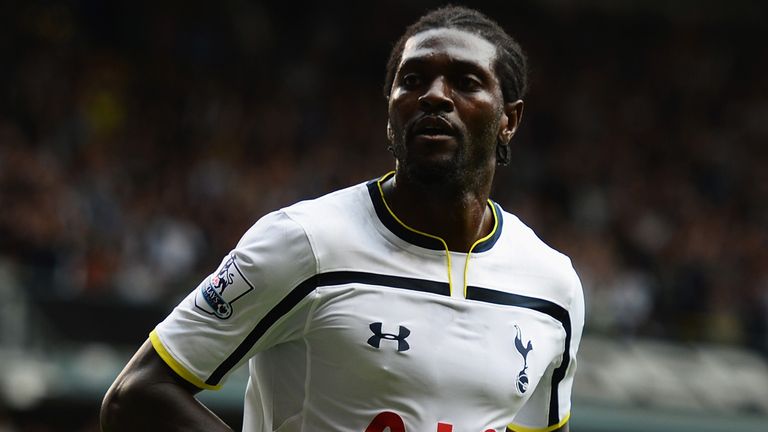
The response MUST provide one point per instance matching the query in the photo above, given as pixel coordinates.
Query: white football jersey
(353, 322)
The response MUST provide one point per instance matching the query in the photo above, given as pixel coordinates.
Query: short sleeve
(549, 407)
(258, 297)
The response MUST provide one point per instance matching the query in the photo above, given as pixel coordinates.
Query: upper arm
(135, 393)
(148, 368)
(149, 396)
(254, 300)
(145, 370)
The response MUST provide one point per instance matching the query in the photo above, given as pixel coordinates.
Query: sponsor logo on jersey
(522, 377)
(392, 422)
(378, 335)
(221, 289)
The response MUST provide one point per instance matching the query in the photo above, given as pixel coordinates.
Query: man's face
(446, 108)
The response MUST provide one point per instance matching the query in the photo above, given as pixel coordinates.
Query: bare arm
(149, 396)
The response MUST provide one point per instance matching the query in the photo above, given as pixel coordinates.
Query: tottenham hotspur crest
(522, 377)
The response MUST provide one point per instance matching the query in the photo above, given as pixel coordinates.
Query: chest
(394, 345)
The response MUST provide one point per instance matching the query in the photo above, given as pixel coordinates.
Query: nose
(437, 97)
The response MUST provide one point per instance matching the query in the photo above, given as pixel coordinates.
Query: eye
(469, 83)
(410, 80)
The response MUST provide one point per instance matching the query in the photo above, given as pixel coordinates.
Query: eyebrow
(474, 67)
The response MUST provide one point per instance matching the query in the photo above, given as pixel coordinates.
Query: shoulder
(528, 254)
(306, 228)
(527, 242)
(334, 219)
(320, 211)
(299, 219)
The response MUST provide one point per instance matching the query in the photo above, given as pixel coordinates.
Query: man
(409, 303)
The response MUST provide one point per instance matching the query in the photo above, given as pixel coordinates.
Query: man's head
(458, 76)
(511, 65)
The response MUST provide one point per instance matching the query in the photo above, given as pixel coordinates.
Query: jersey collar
(419, 238)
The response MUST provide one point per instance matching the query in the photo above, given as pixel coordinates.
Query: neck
(460, 216)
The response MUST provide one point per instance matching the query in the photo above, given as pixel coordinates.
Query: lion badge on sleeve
(217, 292)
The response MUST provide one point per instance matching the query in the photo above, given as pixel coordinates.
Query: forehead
(456, 45)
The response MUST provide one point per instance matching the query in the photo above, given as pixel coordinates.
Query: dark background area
(139, 140)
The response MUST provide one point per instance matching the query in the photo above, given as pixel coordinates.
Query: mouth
(433, 127)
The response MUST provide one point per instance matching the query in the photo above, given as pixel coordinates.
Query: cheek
(483, 118)
(398, 111)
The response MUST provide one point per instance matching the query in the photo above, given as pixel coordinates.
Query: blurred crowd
(139, 140)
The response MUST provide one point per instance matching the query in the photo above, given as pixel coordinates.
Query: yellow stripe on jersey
(518, 428)
(176, 366)
(469, 254)
(445, 245)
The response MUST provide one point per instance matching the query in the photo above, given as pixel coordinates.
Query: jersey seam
(308, 368)
(571, 287)
(311, 245)
(307, 320)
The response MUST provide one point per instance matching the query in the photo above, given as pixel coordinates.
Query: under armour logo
(522, 377)
(375, 340)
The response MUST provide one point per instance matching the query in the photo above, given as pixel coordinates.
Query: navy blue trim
(488, 243)
(304, 289)
(286, 304)
(555, 311)
(421, 285)
(393, 225)
(418, 239)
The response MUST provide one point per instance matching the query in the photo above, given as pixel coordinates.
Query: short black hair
(511, 64)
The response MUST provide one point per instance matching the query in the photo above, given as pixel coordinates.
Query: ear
(513, 114)
(390, 133)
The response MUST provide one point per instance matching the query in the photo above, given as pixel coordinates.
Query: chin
(434, 172)
(432, 167)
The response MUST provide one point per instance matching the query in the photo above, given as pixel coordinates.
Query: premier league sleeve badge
(219, 291)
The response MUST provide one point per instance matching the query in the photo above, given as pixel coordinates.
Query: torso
(386, 339)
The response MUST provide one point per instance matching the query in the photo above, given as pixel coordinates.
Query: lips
(433, 126)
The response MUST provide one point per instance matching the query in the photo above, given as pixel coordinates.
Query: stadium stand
(138, 140)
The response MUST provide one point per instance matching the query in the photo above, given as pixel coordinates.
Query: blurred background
(139, 140)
